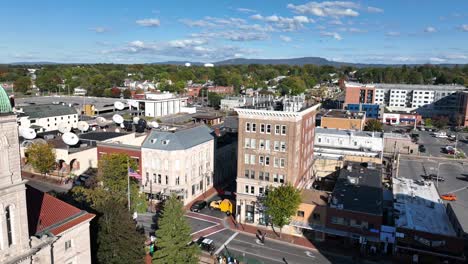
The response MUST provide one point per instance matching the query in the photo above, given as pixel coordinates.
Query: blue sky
(140, 31)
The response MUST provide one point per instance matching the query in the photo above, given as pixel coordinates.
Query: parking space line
(457, 190)
(201, 219)
(226, 243)
(204, 215)
(217, 231)
(204, 229)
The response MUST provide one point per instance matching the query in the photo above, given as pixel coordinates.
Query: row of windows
(315, 216)
(61, 118)
(158, 179)
(264, 160)
(351, 222)
(248, 189)
(264, 176)
(265, 128)
(264, 144)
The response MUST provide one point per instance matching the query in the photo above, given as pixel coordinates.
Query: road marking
(457, 190)
(201, 219)
(309, 254)
(226, 243)
(274, 249)
(208, 216)
(204, 229)
(256, 255)
(217, 231)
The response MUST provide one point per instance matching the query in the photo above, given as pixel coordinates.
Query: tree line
(96, 78)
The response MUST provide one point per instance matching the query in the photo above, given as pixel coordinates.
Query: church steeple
(5, 106)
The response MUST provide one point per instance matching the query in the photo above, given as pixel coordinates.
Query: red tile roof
(49, 214)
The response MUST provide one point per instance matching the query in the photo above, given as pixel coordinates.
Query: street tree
(440, 121)
(373, 125)
(281, 204)
(174, 236)
(41, 157)
(22, 84)
(428, 122)
(292, 86)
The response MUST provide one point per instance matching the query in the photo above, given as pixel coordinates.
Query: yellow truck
(224, 206)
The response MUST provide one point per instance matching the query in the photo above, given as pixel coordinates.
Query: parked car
(205, 244)
(450, 150)
(222, 205)
(422, 148)
(433, 177)
(197, 206)
(449, 197)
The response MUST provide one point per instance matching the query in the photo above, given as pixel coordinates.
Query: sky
(145, 31)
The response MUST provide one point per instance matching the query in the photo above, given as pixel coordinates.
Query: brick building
(356, 93)
(342, 119)
(223, 90)
(133, 151)
(275, 147)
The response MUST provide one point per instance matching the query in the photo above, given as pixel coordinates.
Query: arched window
(9, 225)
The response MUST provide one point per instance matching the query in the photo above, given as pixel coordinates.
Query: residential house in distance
(275, 147)
(43, 118)
(178, 161)
(223, 90)
(343, 119)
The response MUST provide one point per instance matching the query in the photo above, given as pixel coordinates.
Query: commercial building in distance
(178, 161)
(275, 148)
(343, 119)
(44, 118)
(229, 103)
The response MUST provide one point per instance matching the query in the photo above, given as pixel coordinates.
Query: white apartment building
(179, 162)
(43, 118)
(336, 143)
(162, 106)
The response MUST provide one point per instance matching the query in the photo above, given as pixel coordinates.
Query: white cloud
(372, 9)
(100, 29)
(332, 34)
(149, 22)
(327, 8)
(257, 17)
(284, 23)
(430, 29)
(464, 27)
(285, 38)
(437, 60)
(197, 23)
(186, 43)
(245, 10)
(392, 34)
(356, 30)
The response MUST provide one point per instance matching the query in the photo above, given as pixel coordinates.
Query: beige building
(180, 162)
(34, 227)
(399, 143)
(342, 119)
(274, 148)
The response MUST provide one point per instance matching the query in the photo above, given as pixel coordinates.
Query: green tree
(127, 94)
(281, 204)
(428, 122)
(214, 99)
(174, 236)
(440, 121)
(22, 84)
(118, 240)
(41, 157)
(373, 125)
(292, 85)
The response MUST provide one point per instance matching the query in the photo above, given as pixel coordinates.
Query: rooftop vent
(165, 142)
(154, 140)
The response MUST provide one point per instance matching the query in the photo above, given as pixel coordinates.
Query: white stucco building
(179, 162)
(162, 105)
(43, 118)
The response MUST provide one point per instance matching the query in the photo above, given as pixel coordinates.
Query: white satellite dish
(187, 64)
(27, 133)
(64, 127)
(82, 126)
(154, 124)
(119, 105)
(135, 120)
(70, 139)
(117, 130)
(117, 119)
(101, 121)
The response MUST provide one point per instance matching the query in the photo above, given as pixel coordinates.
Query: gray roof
(445, 87)
(44, 111)
(360, 189)
(101, 135)
(334, 131)
(179, 139)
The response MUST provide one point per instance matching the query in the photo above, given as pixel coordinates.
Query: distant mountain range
(242, 61)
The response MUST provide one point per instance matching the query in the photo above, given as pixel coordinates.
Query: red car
(449, 197)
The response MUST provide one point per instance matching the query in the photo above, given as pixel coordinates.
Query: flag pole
(128, 181)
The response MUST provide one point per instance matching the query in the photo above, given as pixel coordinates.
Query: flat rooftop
(336, 113)
(100, 103)
(359, 189)
(343, 132)
(396, 136)
(100, 136)
(419, 207)
(445, 87)
(314, 197)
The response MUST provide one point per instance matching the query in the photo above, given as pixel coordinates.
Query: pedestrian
(263, 238)
(284, 259)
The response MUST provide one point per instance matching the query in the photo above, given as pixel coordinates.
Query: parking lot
(454, 173)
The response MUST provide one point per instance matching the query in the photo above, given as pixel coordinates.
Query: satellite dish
(70, 139)
(118, 119)
(117, 130)
(154, 124)
(187, 64)
(82, 126)
(64, 127)
(119, 105)
(122, 125)
(101, 121)
(27, 133)
(135, 120)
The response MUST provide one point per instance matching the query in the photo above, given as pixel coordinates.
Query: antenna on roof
(82, 126)
(64, 127)
(119, 105)
(70, 138)
(118, 119)
(27, 133)
(101, 121)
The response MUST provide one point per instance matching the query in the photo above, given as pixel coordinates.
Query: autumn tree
(41, 157)
(22, 84)
(373, 125)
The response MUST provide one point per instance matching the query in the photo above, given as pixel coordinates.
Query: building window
(319, 140)
(252, 159)
(283, 146)
(283, 130)
(268, 129)
(260, 190)
(300, 213)
(254, 127)
(267, 161)
(260, 175)
(167, 180)
(252, 143)
(247, 127)
(262, 128)
(247, 173)
(261, 144)
(277, 129)
(276, 162)
(267, 176)
(282, 163)
(252, 174)
(154, 177)
(246, 158)
(68, 244)
(193, 189)
(246, 189)
(159, 178)
(9, 225)
(276, 145)
(261, 160)
(247, 143)
(267, 144)
(275, 177)
(281, 178)
(177, 180)
(252, 189)
(316, 216)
